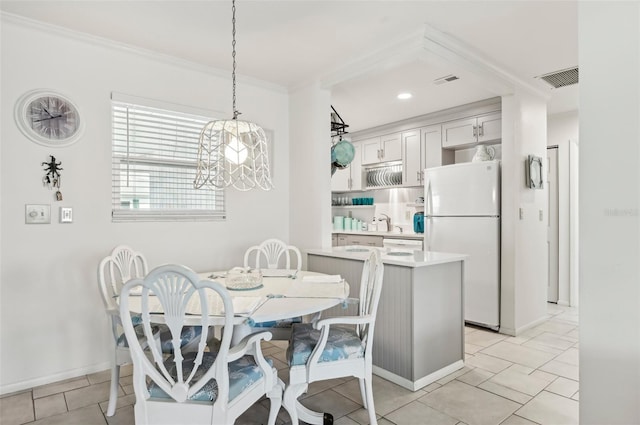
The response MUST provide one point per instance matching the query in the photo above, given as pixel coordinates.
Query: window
(154, 155)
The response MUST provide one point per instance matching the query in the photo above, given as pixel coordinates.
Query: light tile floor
(529, 379)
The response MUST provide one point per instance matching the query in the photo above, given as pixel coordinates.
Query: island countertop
(390, 256)
(419, 332)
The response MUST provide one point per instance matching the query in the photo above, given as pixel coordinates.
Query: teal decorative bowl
(342, 153)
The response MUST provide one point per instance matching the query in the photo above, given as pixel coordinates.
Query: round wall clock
(48, 118)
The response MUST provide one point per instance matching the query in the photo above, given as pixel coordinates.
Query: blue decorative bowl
(342, 153)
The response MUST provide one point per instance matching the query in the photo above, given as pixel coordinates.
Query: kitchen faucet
(388, 220)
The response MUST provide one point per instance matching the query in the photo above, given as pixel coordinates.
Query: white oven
(406, 244)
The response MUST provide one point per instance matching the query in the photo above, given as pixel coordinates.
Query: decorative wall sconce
(533, 172)
(52, 178)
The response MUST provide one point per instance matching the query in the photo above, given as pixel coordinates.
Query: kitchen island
(419, 335)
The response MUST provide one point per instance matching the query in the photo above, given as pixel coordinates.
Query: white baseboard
(518, 331)
(44, 380)
(422, 382)
(507, 331)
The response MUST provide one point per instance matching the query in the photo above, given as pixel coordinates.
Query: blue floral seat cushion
(285, 323)
(243, 373)
(342, 343)
(189, 333)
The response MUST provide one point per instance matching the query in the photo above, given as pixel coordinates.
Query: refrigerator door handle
(428, 211)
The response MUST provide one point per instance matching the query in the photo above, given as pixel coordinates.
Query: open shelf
(352, 206)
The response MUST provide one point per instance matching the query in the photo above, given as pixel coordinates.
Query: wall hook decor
(52, 177)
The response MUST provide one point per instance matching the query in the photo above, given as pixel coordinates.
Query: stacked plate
(384, 176)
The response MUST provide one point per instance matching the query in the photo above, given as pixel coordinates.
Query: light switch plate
(66, 215)
(37, 214)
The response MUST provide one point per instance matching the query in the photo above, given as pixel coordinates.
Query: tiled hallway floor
(529, 379)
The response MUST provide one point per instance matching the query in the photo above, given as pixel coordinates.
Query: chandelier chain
(233, 54)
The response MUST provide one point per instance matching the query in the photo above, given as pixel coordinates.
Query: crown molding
(396, 52)
(22, 21)
(452, 50)
(431, 45)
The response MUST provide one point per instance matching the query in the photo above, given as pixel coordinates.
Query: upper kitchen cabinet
(349, 178)
(469, 131)
(382, 149)
(422, 148)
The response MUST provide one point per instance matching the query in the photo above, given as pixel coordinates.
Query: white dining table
(280, 297)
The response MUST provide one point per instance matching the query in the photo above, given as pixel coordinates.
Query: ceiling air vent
(563, 78)
(446, 79)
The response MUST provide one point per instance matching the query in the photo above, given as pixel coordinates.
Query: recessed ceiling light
(404, 96)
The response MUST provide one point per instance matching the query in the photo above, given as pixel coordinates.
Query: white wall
(310, 167)
(609, 52)
(52, 320)
(562, 127)
(562, 131)
(524, 243)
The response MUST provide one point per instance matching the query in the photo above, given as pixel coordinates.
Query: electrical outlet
(540, 215)
(521, 214)
(66, 215)
(37, 214)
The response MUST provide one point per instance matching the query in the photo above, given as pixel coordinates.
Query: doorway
(552, 226)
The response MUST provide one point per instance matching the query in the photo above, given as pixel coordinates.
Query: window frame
(159, 165)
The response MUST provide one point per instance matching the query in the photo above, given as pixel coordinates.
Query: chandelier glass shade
(233, 153)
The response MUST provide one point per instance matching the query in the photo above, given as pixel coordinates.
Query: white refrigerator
(462, 215)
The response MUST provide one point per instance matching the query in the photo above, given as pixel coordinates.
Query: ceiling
(365, 52)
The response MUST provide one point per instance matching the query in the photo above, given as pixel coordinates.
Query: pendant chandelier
(233, 152)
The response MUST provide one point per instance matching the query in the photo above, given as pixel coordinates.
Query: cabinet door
(411, 158)
(342, 240)
(364, 240)
(432, 155)
(391, 146)
(356, 168)
(459, 133)
(370, 151)
(490, 127)
(340, 180)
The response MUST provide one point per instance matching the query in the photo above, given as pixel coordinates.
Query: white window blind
(154, 155)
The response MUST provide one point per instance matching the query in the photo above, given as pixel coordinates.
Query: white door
(552, 230)
(411, 160)
(489, 127)
(459, 133)
(479, 238)
(356, 168)
(432, 147)
(340, 180)
(391, 146)
(465, 189)
(370, 151)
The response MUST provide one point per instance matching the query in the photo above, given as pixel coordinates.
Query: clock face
(48, 118)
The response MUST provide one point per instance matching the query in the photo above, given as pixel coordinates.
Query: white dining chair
(202, 387)
(125, 263)
(336, 347)
(276, 254)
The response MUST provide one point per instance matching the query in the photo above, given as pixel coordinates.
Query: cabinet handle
(475, 131)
